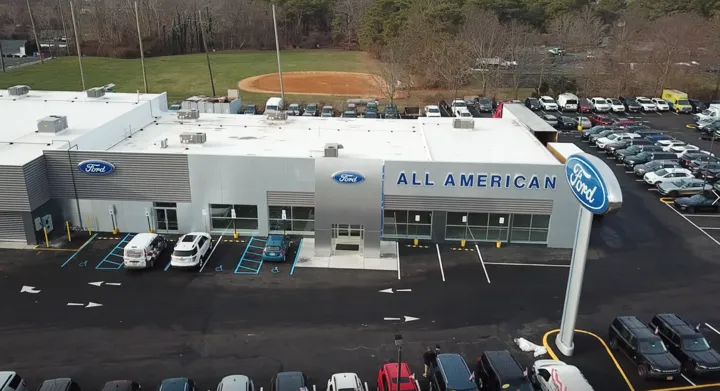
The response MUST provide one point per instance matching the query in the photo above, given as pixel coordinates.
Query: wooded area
(613, 46)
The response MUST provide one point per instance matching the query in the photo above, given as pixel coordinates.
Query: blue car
(276, 248)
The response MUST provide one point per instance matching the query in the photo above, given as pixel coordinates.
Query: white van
(142, 250)
(568, 102)
(554, 375)
(712, 112)
(275, 104)
(11, 381)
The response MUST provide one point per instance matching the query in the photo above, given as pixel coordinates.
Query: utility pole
(37, 42)
(207, 54)
(142, 52)
(2, 59)
(62, 18)
(77, 44)
(277, 52)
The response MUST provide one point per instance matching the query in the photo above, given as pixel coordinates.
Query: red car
(387, 378)
(600, 119)
(623, 122)
(585, 106)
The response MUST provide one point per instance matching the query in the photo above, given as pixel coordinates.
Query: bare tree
(453, 64)
(589, 32)
(518, 50)
(625, 36)
(391, 77)
(483, 33)
(671, 49)
(348, 16)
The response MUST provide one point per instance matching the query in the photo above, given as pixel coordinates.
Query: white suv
(600, 105)
(345, 382)
(647, 104)
(547, 103)
(191, 250)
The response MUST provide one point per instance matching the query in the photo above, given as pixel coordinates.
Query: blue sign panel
(497, 181)
(587, 184)
(348, 177)
(96, 167)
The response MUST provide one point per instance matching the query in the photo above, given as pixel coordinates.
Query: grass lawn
(182, 76)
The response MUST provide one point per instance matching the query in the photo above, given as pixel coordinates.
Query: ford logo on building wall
(593, 183)
(96, 167)
(349, 177)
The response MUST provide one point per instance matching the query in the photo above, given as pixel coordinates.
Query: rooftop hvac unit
(193, 138)
(18, 90)
(162, 143)
(188, 114)
(96, 92)
(109, 87)
(331, 149)
(275, 115)
(52, 124)
(463, 123)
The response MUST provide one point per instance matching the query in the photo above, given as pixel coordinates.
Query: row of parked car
(677, 169)
(672, 100)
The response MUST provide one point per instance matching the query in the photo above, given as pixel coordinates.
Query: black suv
(646, 156)
(647, 350)
(532, 103)
(687, 344)
(631, 105)
(500, 369)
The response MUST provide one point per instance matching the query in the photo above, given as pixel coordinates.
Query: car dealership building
(122, 161)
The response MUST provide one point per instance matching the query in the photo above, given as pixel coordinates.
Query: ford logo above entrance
(348, 177)
(96, 167)
(593, 183)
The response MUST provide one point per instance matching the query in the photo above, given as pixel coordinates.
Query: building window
(297, 218)
(407, 224)
(477, 227)
(246, 217)
(529, 228)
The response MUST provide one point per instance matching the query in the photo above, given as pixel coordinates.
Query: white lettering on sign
(347, 178)
(93, 168)
(577, 181)
(484, 180)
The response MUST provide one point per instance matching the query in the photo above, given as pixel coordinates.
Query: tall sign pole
(277, 53)
(597, 189)
(207, 54)
(142, 51)
(32, 24)
(77, 43)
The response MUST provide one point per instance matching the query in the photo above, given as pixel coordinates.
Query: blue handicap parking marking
(251, 259)
(117, 252)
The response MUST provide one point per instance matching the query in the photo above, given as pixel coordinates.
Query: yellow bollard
(89, 228)
(149, 230)
(497, 244)
(235, 235)
(47, 242)
(579, 128)
(415, 242)
(115, 231)
(67, 227)
(462, 243)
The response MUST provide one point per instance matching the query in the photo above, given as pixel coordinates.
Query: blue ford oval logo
(348, 177)
(586, 184)
(96, 167)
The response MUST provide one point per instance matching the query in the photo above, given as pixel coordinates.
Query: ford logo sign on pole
(96, 167)
(597, 190)
(349, 177)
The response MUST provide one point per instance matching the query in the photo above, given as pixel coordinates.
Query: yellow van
(677, 100)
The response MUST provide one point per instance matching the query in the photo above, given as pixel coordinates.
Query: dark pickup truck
(411, 112)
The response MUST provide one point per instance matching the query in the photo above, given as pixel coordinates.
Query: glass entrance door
(347, 237)
(166, 220)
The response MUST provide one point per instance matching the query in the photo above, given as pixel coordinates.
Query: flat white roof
(21, 114)
(425, 139)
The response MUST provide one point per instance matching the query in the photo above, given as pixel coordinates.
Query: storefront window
(404, 224)
(477, 227)
(221, 217)
(529, 228)
(297, 218)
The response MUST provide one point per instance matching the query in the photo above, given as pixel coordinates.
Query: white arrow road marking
(403, 290)
(388, 290)
(113, 283)
(392, 319)
(29, 289)
(75, 304)
(96, 283)
(100, 283)
(91, 305)
(410, 318)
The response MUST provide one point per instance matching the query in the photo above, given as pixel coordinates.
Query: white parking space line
(694, 225)
(482, 263)
(688, 380)
(652, 189)
(397, 251)
(709, 227)
(207, 260)
(718, 215)
(639, 180)
(712, 328)
(524, 264)
(442, 271)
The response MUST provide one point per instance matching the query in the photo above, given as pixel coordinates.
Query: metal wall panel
(137, 176)
(14, 195)
(12, 227)
(290, 198)
(36, 182)
(477, 205)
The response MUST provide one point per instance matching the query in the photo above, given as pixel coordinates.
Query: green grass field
(182, 76)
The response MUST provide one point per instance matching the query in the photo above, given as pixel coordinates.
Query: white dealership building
(114, 160)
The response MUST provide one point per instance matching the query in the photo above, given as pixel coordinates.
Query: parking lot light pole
(707, 166)
(399, 344)
(597, 190)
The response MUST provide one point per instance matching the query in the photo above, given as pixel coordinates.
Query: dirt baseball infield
(316, 83)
